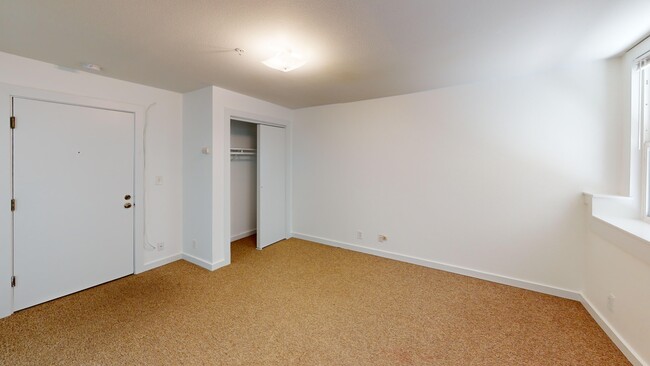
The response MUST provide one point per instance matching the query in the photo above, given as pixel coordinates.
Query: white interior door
(73, 170)
(271, 185)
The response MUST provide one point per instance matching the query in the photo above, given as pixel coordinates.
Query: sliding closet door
(271, 185)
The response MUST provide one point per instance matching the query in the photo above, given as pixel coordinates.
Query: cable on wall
(147, 244)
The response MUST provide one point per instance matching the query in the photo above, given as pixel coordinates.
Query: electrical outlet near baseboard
(359, 234)
(382, 238)
(611, 299)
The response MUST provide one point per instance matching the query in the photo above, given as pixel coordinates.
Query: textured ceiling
(358, 49)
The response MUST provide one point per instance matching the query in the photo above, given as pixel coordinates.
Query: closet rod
(242, 152)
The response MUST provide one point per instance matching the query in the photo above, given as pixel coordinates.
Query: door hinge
(13, 281)
(13, 205)
(12, 122)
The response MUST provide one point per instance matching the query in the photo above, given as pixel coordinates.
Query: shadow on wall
(486, 176)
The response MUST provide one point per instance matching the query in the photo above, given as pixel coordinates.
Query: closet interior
(243, 179)
(258, 184)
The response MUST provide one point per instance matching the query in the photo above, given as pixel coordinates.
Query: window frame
(642, 103)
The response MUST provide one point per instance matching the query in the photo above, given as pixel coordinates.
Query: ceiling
(357, 49)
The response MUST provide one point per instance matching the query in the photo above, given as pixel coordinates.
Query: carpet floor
(300, 303)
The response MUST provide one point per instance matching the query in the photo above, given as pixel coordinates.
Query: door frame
(6, 217)
(242, 116)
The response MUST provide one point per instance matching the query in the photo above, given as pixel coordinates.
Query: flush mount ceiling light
(285, 60)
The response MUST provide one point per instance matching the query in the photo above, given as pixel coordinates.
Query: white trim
(642, 61)
(630, 235)
(253, 120)
(627, 350)
(644, 143)
(611, 218)
(537, 287)
(203, 263)
(622, 345)
(162, 261)
(197, 261)
(243, 235)
(6, 92)
(239, 115)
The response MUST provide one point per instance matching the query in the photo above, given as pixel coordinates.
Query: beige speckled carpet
(300, 303)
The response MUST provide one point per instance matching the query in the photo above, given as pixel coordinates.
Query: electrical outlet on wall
(610, 302)
(382, 238)
(161, 246)
(194, 244)
(359, 234)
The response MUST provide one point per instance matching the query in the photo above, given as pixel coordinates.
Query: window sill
(613, 218)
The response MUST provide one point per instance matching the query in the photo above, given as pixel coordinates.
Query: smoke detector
(91, 67)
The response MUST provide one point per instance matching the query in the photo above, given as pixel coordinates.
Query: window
(642, 102)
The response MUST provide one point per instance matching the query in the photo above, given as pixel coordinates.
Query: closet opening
(258, 189)
(243, 183)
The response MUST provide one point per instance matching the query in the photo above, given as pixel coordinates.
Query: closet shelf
(242, 151)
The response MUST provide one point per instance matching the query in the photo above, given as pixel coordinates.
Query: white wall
(613, 260)
(223, 106)
(163, 143)
(611, 270)
(197, 173)
(486, 176)
(229, 104)
(243, 181)
(164, 134)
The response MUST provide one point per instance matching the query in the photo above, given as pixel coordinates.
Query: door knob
(127, 197)
(127, 205)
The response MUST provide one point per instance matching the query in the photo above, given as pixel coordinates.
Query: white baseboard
(537, 287)
(627, 350)
(243, 235)
(631, 355)
(161, 262)
(204, 264)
